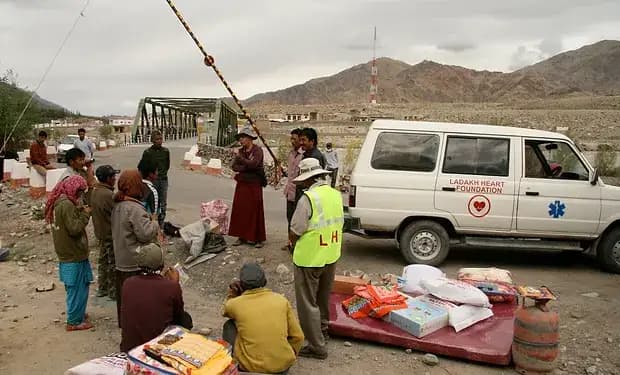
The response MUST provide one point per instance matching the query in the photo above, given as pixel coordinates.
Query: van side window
(477, 156)
(405, 152)
(549, 159)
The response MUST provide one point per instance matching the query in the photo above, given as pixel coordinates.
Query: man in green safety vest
(316, 239)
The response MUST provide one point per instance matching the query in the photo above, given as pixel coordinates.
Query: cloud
(456, 46)
(119, 54)
(550, 47)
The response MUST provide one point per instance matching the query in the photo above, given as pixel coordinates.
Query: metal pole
(211, 62)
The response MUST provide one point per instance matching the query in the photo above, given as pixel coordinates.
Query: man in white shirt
(85, 145)
(331, 161)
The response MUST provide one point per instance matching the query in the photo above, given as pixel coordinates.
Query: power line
(49, 67)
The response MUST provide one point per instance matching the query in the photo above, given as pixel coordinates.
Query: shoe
(239, 242)
(326, 336)
(308, 352)
(258, 245)
(286, 247)
(80, 327)
(101, 293)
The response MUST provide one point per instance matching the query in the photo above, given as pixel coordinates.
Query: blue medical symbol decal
(557, 209)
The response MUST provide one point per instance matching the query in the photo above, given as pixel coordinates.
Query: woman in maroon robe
(247, 220)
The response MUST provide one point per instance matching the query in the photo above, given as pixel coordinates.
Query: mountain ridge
(590, 70)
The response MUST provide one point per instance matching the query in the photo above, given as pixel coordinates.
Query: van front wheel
(425, 242)
(609, 251)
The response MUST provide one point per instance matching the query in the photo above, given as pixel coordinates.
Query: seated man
(38, 155)
(263, 329)
(152, 300)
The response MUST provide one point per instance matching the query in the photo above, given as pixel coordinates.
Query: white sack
(465, 316)
(456, 291)
(415, 273)
(485, 274)
(194, 236)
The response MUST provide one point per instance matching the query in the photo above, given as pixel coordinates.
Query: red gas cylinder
(536, 339)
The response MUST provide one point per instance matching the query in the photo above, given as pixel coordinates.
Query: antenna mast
(373, 70)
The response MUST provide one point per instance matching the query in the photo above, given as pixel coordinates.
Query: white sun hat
(309, 168)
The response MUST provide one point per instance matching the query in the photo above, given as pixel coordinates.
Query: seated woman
(263, 330)
(151, 301)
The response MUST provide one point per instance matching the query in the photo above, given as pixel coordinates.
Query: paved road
(187, 189)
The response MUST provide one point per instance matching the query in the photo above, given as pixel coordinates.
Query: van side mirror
(594, 177)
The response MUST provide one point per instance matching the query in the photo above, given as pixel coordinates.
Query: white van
(431, 185)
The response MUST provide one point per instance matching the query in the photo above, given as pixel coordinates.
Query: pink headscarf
(70, 187)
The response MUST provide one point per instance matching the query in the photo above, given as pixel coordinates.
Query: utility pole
(373, 70)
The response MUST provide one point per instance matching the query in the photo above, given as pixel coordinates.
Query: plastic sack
(357, 307)
(217, 211)
(496, 291)
(456, 291)
(465, 316)
(194, 235)
(415, 273)
(485, 274)
(112, 364)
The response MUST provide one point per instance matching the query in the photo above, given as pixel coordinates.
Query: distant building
(121, 124)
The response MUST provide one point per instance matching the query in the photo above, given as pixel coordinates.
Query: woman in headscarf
(68, 218)
(247, 218)
(132, 227)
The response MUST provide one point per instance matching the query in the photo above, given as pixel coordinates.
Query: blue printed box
(424, 315)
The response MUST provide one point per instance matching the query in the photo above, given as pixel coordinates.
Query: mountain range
(591, 70)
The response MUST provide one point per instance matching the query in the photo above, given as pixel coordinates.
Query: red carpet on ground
(488, 341)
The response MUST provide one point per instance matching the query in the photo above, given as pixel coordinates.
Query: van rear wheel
(424, 242)
(608, 251)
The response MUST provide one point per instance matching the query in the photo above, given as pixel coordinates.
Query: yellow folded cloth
(196, 355)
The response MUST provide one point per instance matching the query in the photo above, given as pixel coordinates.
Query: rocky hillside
(593, 69)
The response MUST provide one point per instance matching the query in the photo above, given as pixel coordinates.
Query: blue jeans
(162, 191)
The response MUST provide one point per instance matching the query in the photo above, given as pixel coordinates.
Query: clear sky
(124, 50)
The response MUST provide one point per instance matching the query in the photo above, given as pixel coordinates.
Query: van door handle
(448, 188)
(532, 193)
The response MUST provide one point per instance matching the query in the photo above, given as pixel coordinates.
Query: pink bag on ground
(216, 210)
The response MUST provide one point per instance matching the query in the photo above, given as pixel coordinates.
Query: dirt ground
(35, 342)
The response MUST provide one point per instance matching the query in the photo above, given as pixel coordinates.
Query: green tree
(13, 100)
(606, 160)
(106, 131)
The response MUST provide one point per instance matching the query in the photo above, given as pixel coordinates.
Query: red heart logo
(479, 206)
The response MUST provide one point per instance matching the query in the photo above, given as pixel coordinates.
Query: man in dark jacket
(160, 156)
(102, 202)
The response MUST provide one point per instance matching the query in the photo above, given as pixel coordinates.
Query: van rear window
(405, 152)
(477, 156)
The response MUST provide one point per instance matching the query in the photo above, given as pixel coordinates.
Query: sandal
(239, 242)
(80, 327)
(308, 352)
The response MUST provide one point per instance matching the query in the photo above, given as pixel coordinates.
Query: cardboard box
(424, 315)
(345, 284)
